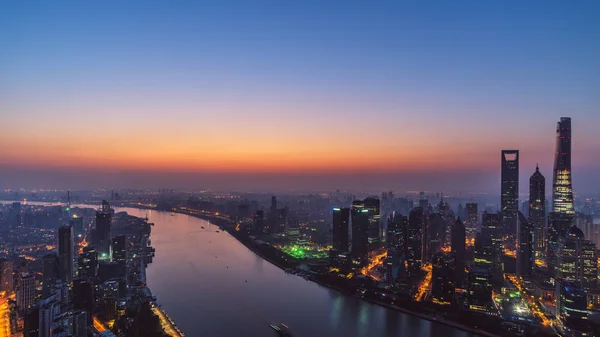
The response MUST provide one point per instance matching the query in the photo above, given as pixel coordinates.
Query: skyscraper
(259, 221)
(577, 260)
(50, 273)
(472, 219)
(103, 219)
(341, 221)
(537, 211)
(78, 227)
(87, 266)
(510, 191)
(562, 190)
(25, 291)
(119, 249)
(6, 275)
(458, 238)
(66, 253)
(525, 257)
(490, 225)
(442, 280)
(373, 205)
(414, 242)
(360, 231)
(396, 234)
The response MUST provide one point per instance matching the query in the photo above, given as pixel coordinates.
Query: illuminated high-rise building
(458, 243)
(562, 189)
(525, 256)
(50, 273)
(577, 260)
(414, 239)
(510, 191)
(571, 309)
(436, 234)
(396, 236)
(78, 227)
(6, 275)
(25, 291)
(103, 222)
(66, 253)
(537, 211)
(119, 249)
(360, 232)
(442, 278)
(472, 220)
(563, 210)
(374, 207)
(87, 266)
(483, 253)
(491, 227)
(341, 222)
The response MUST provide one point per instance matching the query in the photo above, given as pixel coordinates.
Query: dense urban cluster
(75, 272)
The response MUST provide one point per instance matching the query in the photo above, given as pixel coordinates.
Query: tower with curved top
(562, 189)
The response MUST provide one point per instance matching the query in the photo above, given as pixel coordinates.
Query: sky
(406, 95)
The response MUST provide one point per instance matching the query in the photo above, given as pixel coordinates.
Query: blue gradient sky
(405, 90)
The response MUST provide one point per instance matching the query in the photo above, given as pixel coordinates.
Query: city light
(425, 285)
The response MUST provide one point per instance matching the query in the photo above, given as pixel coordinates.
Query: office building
(87, 266)
(259, 221)
(103, 233)
(395, 244)
(537, 212)
(577, 260)
(78, 227)
(360, 232)
(414, 239)
(25, 291)
(458, 243)
(6, 276)
(562, 189)
(49, 310)
(571, 308)
(510, 191)
(492, 228)
(479, 289)
(472, 220)
(341, 223)
(442, 279)
(436, 234)
(50, 274)
(483, 252)
(31, 323)
(84, 297)
(66, 253)
(525, 256)
(373, 206)
(119, 249)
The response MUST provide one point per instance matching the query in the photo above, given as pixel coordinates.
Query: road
(166, 323)
(533, 305)
(425, 286)
(4, 317)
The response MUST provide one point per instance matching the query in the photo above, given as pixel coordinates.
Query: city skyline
(405, 97)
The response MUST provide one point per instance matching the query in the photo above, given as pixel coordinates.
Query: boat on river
(281, 329)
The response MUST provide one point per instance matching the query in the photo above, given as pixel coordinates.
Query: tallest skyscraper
(563, 210)
(562, 190)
